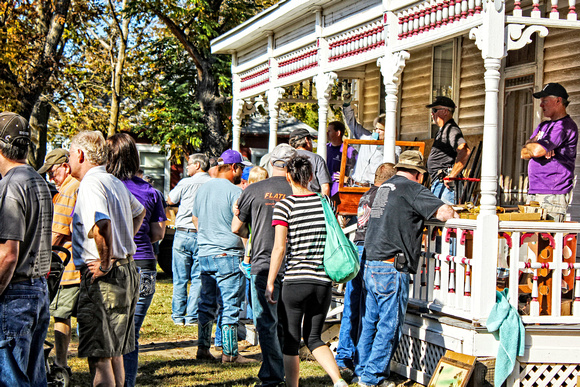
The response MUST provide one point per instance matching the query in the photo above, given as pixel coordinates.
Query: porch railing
(535, 260)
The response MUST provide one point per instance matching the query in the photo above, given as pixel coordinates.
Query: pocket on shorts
(117, 289)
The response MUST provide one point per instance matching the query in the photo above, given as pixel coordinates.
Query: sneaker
(179, 322)
(387, 383)
(191, 323)
(341, 383)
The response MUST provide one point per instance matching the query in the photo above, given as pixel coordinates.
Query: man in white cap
(552, 153)
(64, 305)
(256, 205)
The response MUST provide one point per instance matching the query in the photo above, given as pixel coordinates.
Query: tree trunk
(117, 78)
(39, 130)
(214, 139)
(29, 92)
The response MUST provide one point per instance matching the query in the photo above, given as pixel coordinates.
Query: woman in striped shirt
(300, 232)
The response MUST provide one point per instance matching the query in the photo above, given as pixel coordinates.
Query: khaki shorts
(555, 205)
(64, 305)
(105, 312)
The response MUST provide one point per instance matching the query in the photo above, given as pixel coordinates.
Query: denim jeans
(221, 278)
(442, 192)
(24, 319)
(354, 297)
(270, 332)
(146, 292)
(185, 266)
(386, 304)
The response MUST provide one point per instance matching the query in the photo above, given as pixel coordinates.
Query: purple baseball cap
(232, 157)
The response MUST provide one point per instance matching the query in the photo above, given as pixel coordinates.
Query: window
(442, 82)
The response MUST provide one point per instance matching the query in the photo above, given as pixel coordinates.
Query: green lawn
(168, 354)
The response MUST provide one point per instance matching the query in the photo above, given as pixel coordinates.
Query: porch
(328, 43)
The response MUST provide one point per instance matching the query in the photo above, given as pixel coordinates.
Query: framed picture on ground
(453, 370)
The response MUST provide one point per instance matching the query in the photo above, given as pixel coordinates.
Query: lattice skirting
(549, 375)
(418, 355)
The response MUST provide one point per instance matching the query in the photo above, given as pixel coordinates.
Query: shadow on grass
(191, 372)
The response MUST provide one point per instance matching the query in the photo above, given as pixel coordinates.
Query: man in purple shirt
(552, 153)
(335, 133)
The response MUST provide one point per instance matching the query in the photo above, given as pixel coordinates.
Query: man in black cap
(449, 152)
(552, 153)
(25, 253)
(301, 140)
(400, 207)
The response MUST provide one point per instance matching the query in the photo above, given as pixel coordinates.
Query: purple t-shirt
(333, 160)
(151, 199)
(554, 175)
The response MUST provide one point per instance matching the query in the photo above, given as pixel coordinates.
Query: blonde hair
(257, 174)
(93, 145)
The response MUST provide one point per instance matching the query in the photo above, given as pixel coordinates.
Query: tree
(194, 23)
(34, 30)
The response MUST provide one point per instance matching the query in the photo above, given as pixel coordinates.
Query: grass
(167, 355)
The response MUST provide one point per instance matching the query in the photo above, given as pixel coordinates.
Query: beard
(237, 179)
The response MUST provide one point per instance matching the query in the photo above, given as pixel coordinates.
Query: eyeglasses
(435, 110)
(53, 170)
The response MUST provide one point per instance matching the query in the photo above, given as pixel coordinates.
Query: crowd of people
(240, 232)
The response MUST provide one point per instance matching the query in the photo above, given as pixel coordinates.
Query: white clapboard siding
(471, 100)
(415, 94)
(295, 29)
(372, 90)
(255, 51)
(339, 10)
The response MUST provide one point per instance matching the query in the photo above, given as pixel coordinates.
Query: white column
(237, 108)
(274, 96)
(493, 48)
(391, 65)
(323, 83)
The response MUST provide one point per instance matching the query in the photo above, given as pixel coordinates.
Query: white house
(489, 56)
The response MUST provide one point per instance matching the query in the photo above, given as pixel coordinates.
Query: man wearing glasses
(449, 152)
(64, 305)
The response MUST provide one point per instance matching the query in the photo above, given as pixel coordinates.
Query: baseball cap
(54, 157)
(300, 133)
(13, 126)
(281, 155)
(554, 89)
(232, 157)
(411, 159)
(442, 101)
(246, 173)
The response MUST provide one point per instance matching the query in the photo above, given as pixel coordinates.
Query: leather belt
(120, 262)
(184, 229)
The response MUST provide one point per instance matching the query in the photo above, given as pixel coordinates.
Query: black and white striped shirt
(304, 217)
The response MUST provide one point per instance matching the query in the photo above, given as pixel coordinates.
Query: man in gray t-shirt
(185, 265)
(301, 140)
(25, 253)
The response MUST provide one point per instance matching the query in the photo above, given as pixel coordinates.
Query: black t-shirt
(256, 205)
(444, 150)
(396, 220)
(364, 213)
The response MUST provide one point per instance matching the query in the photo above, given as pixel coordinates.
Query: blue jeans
(24, 319)
(270, 332)
(185, 266)
(221, 278)
(386, 304)
(442, 192)
(354, 297)
(146, 292)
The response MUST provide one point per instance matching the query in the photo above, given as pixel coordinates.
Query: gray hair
(202, 159)
(93, 145)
